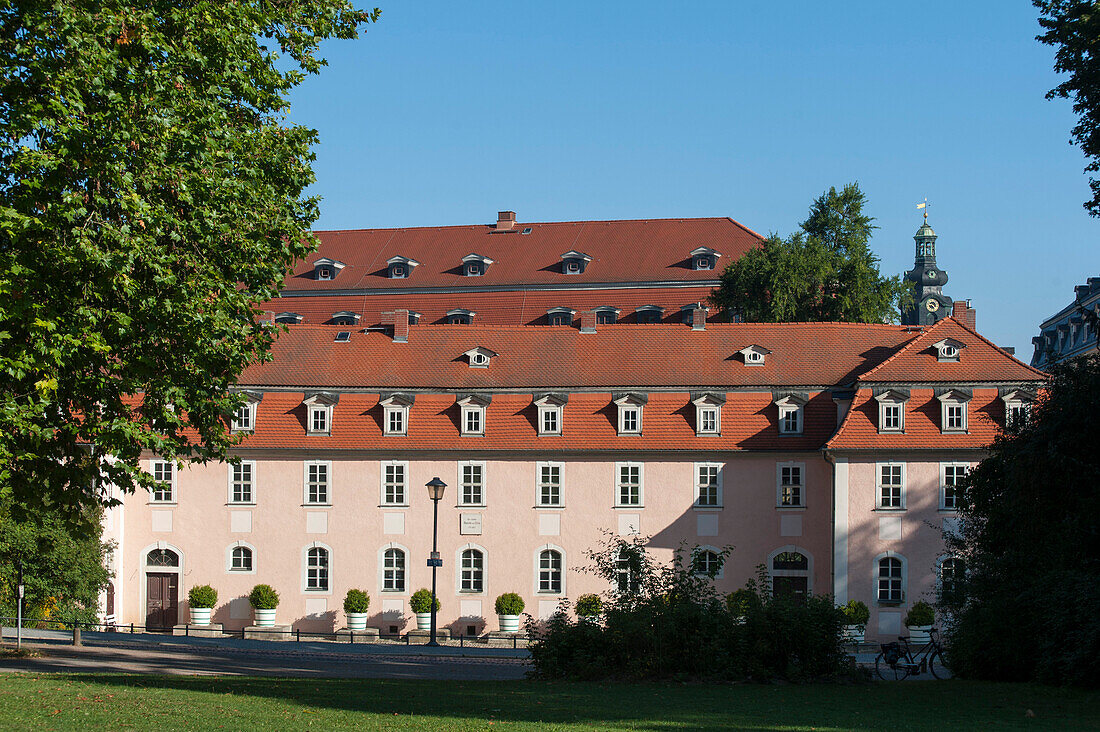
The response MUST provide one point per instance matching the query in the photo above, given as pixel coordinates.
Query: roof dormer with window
(1017, 403)
(792, 408)
(630, 405)
(326, 269)
(560, 316)
(948, 349)
(479, 358)
(472, 413)
(395, 413)
(708, 412)
(550, 408)
(704, 258)
(574, 262)
(475, 265)
(244, 418)
(319, 408)
(459, 316)
(891, 409)
(398, 268)
(953, 408)
(288, 318)
(649, 314)
(345, 317)
(754, 355)
(606, 315)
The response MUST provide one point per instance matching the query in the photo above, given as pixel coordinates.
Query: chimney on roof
(962, 312)
(699, 317)
(1010, 350)
(588, 321)
(506, 220)
(399, 319)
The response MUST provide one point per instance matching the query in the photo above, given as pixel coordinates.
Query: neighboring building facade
(817, 449)
(1068, 334)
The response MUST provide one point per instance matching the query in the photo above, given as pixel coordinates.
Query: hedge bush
(202, 596)
(263, 597)
(856, 613)
(589, 606)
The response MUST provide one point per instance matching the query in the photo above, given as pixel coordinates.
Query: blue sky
(445, 113)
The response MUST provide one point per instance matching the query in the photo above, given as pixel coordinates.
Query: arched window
(628, 568)
(791, 575)
(393, 571)
(162, 558)
(550, 571)
(706, 563)
(240, 559)
(317, 569)
(473, 571)
(891, 580)
(952, 571)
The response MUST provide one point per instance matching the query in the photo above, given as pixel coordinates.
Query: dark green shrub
(920, 614)
(421, 601)
(202, 596)
(742, 601)
(263, 597)
(356, 601)
(509, 604)
(589, 606)
(856, 613)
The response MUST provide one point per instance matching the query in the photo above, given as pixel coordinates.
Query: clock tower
(927, 281)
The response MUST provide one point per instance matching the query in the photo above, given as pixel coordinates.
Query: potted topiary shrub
(202, 599)
(264, 599)
(856, 616)
(509, 606)
(919, 621)
(741, 602)
(421, 604)
(589, 607)
(356, 603)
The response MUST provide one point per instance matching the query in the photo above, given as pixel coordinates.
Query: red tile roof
(653, 250)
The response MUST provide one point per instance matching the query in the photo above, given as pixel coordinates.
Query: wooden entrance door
(162, 600)
(794, 587)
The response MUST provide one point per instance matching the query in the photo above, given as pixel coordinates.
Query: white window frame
(383, 483)
(249, 423)
(698, 468)
(251, 465)
(547, 411)
(790, 465)
(560, 467)
(701, 411)
(714, 550)
(460, 570)
(882, 415)
(404, 590)
(808, 573)
(171, 482)
(306, 589)
(944, 467)
(879, 485)
(561, 592)
(461, 483)
(619, 467)
(466, 412)
(328, 482)
(624, 409)
(788, 410)
(945, 406)
(401, 412)
(311, 412)
(1013, 406)
(229, 557)
(876, 589)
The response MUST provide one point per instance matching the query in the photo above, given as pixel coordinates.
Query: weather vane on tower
(924, 205)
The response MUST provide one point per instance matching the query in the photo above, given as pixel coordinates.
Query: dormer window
(606, 315)
(704, 258)
(754, 355)
(560, 316)
(891, 409)
(244, 418)
(472, 413)
(398, 268)
(288, 318)
(326, 269)
(458, 316)
(649, 314)
(550, 407)
(414, 317)
(948, 349)
(319, 407)
(1017, 405)
(345, 317)
(479, 357)
(474, 265)
(791, 408)
(630, 412)
(708, 413)
(395, 413)
(574, 262)
(953, 409)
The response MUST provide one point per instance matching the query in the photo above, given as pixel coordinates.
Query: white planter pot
(265, 618)
(853, 633)
(201, 615)
(423, 621)
(508, 623)
(918, 634)
(357, 621)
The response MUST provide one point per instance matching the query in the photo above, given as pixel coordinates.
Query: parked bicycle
(899, 660)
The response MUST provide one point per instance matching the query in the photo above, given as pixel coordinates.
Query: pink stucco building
(825, 451)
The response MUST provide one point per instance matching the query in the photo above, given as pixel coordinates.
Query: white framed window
(708, 485)
(1015, 412)
(950, 476)
(396, 420)
(791, 570)
(951, 571)
(473, 419)
(551, 571)
(242, 486)
(550, 420)
(890, 579)
(241, 559)
(790, 420)
(164, 473)
(954, 416)
(891, 409)
(244, 419)
(628, 491)
(471, 563)
(393, 569)
(320, 419)
(318, 567)
(628, 569)
(708, 420)
(395, 489)
(891, 485)
(791, 485)
(706, 561)
(471, 484)
(548, 490)
(630, 420)
(318, 483)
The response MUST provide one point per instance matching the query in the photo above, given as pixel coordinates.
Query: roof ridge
(903, 349)
(988, 342)
(519, 224)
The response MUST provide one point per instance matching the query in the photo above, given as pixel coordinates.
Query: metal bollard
(76, 635)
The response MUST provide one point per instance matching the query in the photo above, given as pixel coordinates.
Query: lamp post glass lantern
(435, 491)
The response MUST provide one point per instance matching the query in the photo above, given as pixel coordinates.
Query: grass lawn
(190, 702)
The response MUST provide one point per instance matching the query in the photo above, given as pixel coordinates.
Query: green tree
(825, 272)
(151, 193)
(1030, 543)
(1073, 27)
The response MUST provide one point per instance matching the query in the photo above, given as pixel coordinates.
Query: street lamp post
(435, 492)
